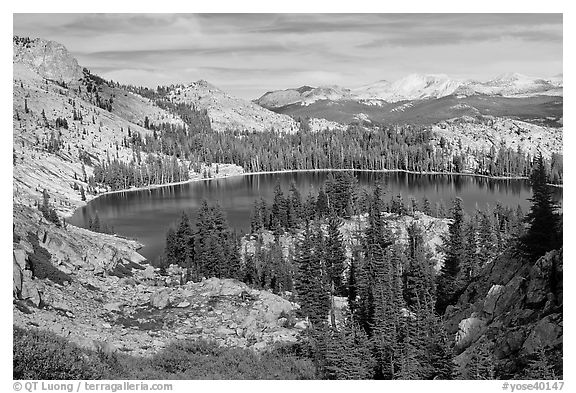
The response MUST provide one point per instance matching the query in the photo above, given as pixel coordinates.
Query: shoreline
(227, 176)
(239, 174)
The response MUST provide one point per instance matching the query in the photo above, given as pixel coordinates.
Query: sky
(250, 54)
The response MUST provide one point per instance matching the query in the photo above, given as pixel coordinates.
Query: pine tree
(53, 217)
(482, 364)
(314, 299)
(295, 212)
(387, 308)
(348, 353)
(541, 366)
(426, 207)
(438, 352)
(45, 207)
(250, 274)
(309, 208)
(182, 248)
(418, 275)
(340, 191)
(322, 203)
(278, 212)
(448, 285)
(170, 250)
(335, 254)
(473, 247)
(352, 288)
(486, 238)
(545, 230)
(256, 220)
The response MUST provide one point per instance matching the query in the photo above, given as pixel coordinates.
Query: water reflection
(146, 215)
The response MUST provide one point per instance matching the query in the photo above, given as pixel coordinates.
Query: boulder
(469, 330)
(301, 325)
(548, 332)
(20, 258)
(160, 299)
(16, 279)
(259, 346)
(492, 298)
(30, 290)
(159, 344)
(114, 306)
(224, 331)
(103, 347)
(149, 273)
(511, 296)
(541, 275)
(509, 343)
(61, 305)
(127, 282)
(224, 287)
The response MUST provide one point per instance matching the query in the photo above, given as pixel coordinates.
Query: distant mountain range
(416, 87)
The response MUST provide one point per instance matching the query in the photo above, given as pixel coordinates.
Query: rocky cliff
(49, 59)
(510, 316)
(231, 113)
(92, 289)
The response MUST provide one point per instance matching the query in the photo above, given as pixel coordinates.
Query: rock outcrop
(231, 113)
(91, 288)
(49, 59)
(512, 310)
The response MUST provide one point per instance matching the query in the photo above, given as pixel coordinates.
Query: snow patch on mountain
(412, 87)
(403, 107)
(417, 87)
(514, 84)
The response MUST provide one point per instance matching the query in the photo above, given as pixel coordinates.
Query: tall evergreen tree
(545, 230)
(335, 255)
(170, 253)
(278, 214)
(448, 284)
(295, 207)
(182, 248)
(322, 203)
(314, 299)
(348, 353)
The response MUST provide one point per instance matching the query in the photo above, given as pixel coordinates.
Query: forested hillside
(342, 283)
(400, 306)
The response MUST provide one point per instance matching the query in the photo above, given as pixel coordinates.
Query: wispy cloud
(249, 54)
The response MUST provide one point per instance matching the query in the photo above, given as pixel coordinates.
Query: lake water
(147, 215)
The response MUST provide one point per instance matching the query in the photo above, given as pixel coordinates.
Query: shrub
(43, 355)
(41, 265)
(206, 360)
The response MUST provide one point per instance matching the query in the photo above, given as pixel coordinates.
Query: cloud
(251, 53)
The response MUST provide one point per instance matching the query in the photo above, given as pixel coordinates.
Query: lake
(146, 215)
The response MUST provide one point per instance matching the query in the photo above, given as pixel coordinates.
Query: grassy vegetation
(43, 355)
